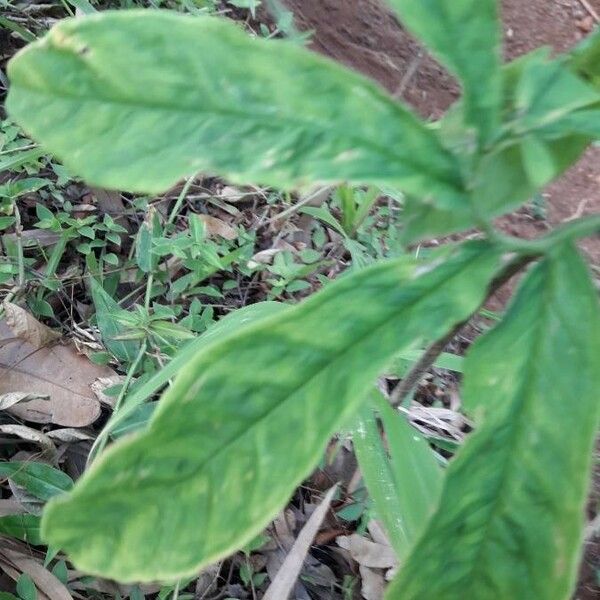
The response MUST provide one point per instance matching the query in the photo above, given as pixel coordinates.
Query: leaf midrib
(521, 407)
(269, 121)
(149, 484)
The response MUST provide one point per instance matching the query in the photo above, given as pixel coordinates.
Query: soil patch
(366, 36)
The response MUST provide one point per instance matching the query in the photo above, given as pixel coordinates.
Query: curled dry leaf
(69, 435)
(218, 227)
(32, 362)
(367, 553)
(27, 328)
(30, 435)
(12, 398)
(373, 583)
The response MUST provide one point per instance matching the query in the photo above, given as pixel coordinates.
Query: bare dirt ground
(365, 35)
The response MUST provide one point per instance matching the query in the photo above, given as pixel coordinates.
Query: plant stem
(102, 438)
(177, 206)
(400, 392)
(19, 239)
(576, 229)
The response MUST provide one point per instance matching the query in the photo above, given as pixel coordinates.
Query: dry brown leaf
(44, 580)
(26, 327)
(373, 583)
(30, 435)
(12, 398)
(218, 227)
(101, 384)
(9, 506)
(69, 435)
(287, 575)
(367, 553)
(56, 371)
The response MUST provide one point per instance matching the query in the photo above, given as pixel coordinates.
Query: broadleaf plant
(138, 99)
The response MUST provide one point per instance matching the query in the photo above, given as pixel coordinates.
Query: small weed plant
(136, 100)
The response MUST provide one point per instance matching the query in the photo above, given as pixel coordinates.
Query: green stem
(102, 438)
(177, 206)
(576, 229)
(19, 238)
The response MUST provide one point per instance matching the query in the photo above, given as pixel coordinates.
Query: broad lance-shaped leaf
(249, 417)
(138, 99)
(510, 519)
(405, 485)
(556, 122)
(465, 36)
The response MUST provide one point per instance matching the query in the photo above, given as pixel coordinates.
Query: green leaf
(106, 312)
(40, 480)
(466, 36)
(131, 414)
(546, 91)
(405, 485)
(249, 417)
(26, 588)
(137, 100)
(22, 527)
(584, 59)
(143, 249)
(83, 5)
(6, 222)
(511, 515)
(507, 177)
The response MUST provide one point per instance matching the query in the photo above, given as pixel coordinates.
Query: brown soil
(365, 35)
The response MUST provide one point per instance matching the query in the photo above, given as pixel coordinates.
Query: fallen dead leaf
(12, 398)
(367, 553)
(30, 435)
(218, 227)
(46, 583)
(373, 583)
(31, 363)
(287, 575)
(27, 328)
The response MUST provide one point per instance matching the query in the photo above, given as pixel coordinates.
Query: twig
(408, 75)
(431, 354)
(591, 10)
(100, 443)
(19, 241)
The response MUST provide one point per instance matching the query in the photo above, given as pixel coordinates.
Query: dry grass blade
(285, 579)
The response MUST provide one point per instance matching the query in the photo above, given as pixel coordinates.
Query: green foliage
(509, 521)
(472, 52)
(405, 486)
(253, 447)
(296, 120)
(40, 480)
(22, 527)
(136, 100)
